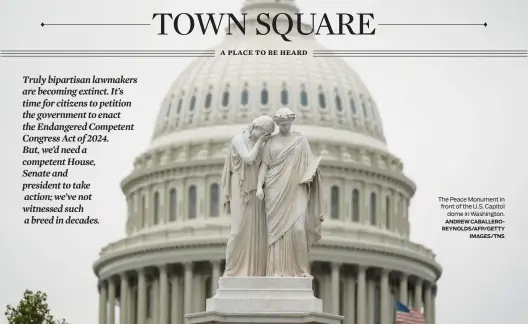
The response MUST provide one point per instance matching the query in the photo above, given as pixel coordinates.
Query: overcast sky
(459, 125)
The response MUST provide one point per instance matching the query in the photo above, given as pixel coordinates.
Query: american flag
(404, 315)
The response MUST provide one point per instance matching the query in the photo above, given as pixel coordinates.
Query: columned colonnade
(368, 295)
(163, 294)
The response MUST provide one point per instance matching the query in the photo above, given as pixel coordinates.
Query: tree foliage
(32, 309)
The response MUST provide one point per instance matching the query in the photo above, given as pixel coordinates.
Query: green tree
(32, 309)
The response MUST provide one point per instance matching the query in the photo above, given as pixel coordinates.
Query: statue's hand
(260, 193)
(321, 218)
(264, 138)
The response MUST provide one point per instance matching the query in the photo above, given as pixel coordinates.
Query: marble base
(263, 300)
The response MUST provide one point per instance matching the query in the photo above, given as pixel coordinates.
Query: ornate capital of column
(141, 271)
(216, 262)
(162, 268)
(385, 272)
(187, 266)
(336, 265)
(102, 284)
(362, 268)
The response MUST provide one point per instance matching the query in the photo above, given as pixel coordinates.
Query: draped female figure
(293, 205)
(246, 253)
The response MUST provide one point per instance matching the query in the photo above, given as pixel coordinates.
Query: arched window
(173, 205)
(179, 105)
(353, 106)
(373, 208)
(215, 200)
(156, 208)
(338, 103)
(244, 98)
(355, 205)
(334, 197)
(284, 97)
(169, 106)
(225, 98)
(322, 100)
(387, 212)
(193, 103)
(192, 202)
(364, 107)
(304, 98)
(264, 96)
(143, 211)
(208, 100)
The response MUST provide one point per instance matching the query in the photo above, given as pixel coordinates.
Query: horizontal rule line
(105, 53)
(109, 50)
(420, 51)
(420, 56)
(482, 24)
(102, 56)
(46, 24)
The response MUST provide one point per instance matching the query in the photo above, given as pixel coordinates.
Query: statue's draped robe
(293, 210)
(246, 251)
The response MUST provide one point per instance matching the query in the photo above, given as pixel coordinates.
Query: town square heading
(283, 24)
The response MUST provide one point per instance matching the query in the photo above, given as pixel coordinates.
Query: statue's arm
(240, 146)
(263, 169)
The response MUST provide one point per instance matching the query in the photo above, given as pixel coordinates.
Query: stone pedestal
(263, 300)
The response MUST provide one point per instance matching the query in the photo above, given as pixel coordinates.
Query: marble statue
(246, 253)
(289, 182)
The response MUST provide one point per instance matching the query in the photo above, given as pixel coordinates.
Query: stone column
(327, 293)
(404, 299)
(215, 277)
(428, 303)
(371, 299)
(385, 297)
(132, 305)
(103, 295)
(111, 301)
(335, 287)
(142, 298)
(362, 295)
(124, 300)
(418, 295)
(365, 203)
(187, 286)
(350, 309)
(164, 295)
(176, 311)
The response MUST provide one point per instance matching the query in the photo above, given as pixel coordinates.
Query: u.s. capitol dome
(173, 254)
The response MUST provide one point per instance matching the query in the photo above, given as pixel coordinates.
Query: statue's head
(284, 117)
(260, 126)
